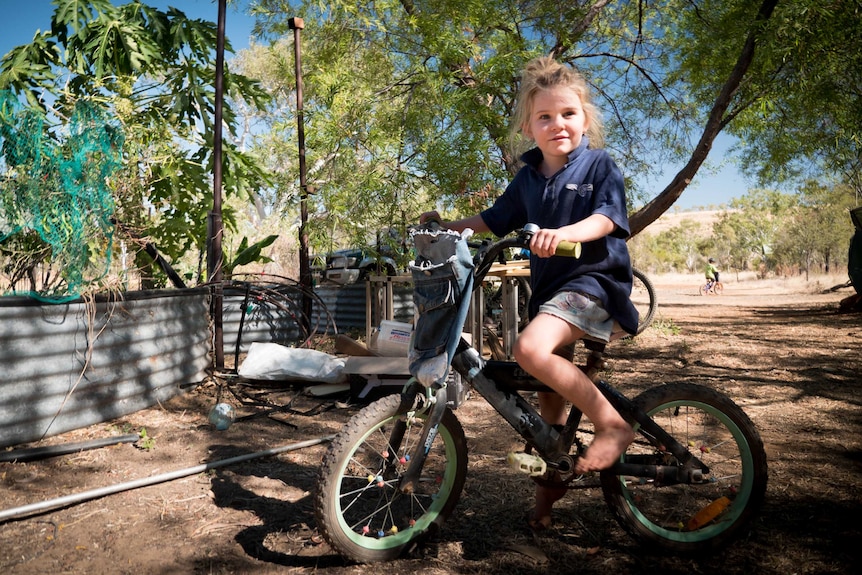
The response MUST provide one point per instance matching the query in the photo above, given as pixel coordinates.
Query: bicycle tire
(646, 313)
(674, 517)
(718, 288)
(703, 289)
(359, 510)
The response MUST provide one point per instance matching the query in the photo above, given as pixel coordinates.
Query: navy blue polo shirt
(590, 183)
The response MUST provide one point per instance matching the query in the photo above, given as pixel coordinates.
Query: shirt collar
(533, 157)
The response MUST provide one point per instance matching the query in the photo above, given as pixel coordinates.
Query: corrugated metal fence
(71, 365)
(67, 366)
(270, 312)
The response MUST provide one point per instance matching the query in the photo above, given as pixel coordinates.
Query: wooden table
(509, 274)
(379, 295)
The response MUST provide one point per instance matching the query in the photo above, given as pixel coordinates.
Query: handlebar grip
(569, 249)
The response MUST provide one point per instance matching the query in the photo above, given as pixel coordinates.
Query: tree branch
(714, 124)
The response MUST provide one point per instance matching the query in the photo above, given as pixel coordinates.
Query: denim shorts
(583, 311)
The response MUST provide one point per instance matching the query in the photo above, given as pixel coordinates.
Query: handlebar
(488, 253)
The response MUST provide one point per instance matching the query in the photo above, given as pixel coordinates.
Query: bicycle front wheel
(696, 517)
(718, 288)
(359, 507)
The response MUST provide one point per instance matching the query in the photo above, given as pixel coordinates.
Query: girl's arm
(593, 227)
(475, 223)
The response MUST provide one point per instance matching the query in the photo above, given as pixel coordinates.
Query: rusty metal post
(297, 24)
(215, 227)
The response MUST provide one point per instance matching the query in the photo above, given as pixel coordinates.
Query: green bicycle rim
(740, 501)
(403, 537)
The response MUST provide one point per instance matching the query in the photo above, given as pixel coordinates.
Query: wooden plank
(394, 366)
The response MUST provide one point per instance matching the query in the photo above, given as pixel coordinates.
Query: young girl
(573, 191)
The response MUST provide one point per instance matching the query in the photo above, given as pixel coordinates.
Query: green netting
(54, 183)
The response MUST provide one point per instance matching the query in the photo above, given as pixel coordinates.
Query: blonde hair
(545, 73)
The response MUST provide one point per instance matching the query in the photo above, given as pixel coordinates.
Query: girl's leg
(534, 351)
(553, 409)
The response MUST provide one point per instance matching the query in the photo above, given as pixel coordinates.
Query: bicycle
(711, 287)
(692, 481)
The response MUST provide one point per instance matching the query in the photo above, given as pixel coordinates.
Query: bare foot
(606, 448)
(540, 516)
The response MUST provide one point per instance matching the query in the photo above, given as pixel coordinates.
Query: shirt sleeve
(507, 213)
(609, 194)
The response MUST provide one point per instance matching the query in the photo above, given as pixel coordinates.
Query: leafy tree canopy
(416, 94)
(153, 71)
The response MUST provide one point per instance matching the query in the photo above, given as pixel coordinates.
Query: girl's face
(557, 124)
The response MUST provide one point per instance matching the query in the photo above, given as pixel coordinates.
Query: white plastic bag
(271, 361)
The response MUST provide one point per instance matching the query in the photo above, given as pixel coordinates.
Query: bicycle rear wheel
(703, 289)
(701, 517)
(359, 509)
(644, 299)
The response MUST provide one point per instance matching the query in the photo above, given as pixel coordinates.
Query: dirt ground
(778, 347)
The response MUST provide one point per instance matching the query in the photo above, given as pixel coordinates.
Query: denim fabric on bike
(442, 284)
(583, 311)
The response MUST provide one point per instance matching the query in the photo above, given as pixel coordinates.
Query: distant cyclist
(711, 271)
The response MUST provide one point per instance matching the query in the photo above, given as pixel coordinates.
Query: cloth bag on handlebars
(442, 283)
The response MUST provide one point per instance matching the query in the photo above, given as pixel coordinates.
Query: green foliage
(665, 326)
(145, 441)
(247, 254)
(409, 101)
(766, 230)
(797, 111)
(818, 229)
(154, 72)
(750, 232)
(407, 105)
(675, 250)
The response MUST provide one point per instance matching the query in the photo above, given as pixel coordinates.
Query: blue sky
(21, 19)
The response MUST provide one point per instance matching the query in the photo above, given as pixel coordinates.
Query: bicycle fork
(407, 484)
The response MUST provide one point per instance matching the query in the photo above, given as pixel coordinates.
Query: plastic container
(393, 339)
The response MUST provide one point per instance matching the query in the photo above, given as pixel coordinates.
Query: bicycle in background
(711, 287)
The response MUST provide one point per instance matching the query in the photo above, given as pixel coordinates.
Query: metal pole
(297, 24)
(215, 228)
(67, 500)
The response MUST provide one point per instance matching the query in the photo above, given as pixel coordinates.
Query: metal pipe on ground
(50, 504)
(34, 453)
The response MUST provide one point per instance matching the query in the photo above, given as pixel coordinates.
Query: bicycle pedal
(532, 465)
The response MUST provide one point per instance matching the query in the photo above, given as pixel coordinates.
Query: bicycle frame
(500, 381)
